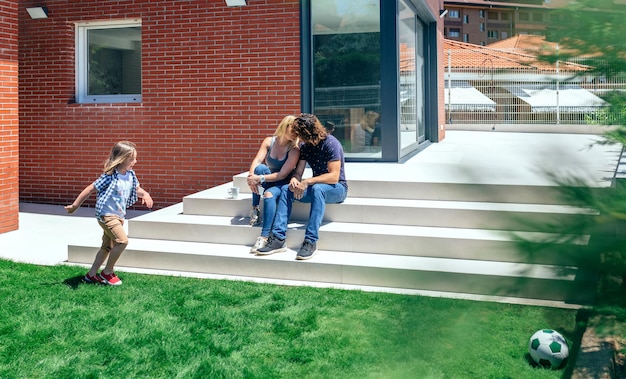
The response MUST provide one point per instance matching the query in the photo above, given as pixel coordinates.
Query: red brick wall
(215, 81)
(9, 125)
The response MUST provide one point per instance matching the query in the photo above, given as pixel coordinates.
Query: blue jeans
(318, 195)
(269, 203)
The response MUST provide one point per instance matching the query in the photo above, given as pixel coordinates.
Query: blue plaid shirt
(105, 185)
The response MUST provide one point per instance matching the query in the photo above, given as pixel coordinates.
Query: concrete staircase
(442, 239)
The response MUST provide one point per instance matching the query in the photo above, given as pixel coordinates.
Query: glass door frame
(392, 150)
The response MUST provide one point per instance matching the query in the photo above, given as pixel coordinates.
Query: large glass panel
(346, 72)
(411, 71)
(114, 61)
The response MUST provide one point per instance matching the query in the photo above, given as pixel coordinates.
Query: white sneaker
(255, 216)
(260, 242)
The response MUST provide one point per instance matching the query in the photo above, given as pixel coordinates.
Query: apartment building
(482, 22)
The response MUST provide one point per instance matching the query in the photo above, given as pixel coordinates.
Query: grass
(54, 326)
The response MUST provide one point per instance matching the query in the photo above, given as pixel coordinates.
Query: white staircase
(452, 238)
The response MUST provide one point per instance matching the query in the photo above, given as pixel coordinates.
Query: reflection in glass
(411, 77)
(346, 72)
(114, 61)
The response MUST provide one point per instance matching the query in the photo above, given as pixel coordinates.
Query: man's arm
(331, 177)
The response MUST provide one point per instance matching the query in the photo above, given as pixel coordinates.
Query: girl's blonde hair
(119, 153)
(281, 130)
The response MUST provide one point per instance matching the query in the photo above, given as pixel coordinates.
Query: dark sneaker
(96, 279)
(111, 279)
(274, 245)
(307, 250)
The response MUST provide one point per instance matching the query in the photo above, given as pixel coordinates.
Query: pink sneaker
(111, 279)
(96, 279)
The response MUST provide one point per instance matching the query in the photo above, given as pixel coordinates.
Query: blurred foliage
(592, 32)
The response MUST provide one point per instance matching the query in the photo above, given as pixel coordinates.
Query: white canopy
(569, 98)
(462, 97)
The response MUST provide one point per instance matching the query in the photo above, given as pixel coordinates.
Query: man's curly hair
(309, 129)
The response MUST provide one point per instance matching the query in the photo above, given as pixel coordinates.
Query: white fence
(489, 86)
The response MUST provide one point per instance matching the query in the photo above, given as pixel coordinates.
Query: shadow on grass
(74, 281)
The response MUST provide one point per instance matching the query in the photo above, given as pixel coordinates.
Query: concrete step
(371, 187)
(391, 211)
(442, 242)
(542, 282)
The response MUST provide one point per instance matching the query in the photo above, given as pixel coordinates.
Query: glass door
(411, 72)
(346, 72)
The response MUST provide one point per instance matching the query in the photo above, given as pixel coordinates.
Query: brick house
(197, 85)
(483, 22)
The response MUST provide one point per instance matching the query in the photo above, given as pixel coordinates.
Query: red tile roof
(518, 52)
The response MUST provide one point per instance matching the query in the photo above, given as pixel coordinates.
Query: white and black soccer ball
(548, 348)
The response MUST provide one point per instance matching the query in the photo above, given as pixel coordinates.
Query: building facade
(482, 22)
(198, 84)
(9, 125)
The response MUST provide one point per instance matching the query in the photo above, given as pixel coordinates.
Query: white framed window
(454, 33)
(108, 61)
(454, 13)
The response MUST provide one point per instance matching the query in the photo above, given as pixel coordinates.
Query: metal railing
(513, 87)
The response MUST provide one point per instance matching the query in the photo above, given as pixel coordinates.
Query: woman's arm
(260, 155)
(253, 180)
(288, 166)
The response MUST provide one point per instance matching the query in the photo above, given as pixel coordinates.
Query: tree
(593, 30)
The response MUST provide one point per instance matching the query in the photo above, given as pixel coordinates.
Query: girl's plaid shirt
(105, 185)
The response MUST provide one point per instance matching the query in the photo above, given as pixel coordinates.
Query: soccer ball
(548, 348)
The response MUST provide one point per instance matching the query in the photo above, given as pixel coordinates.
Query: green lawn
(54, 326)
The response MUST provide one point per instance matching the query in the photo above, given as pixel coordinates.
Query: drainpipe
(558, 109)
(449, 86)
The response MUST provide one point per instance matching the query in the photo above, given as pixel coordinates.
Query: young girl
(271, 168)
(116, 189)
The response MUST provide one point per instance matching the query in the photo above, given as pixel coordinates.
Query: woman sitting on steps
(272, 167)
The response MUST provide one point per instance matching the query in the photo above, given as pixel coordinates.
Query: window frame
(82, 58)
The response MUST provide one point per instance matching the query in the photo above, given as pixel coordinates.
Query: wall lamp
(37, 12)
(236, 3)
(443, 13)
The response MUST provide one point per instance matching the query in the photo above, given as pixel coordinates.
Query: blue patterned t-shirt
(115, 193)
(328, 150)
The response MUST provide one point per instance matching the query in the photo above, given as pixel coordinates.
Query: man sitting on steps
(324, 154)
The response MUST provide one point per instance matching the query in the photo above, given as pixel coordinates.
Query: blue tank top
(272, 163)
